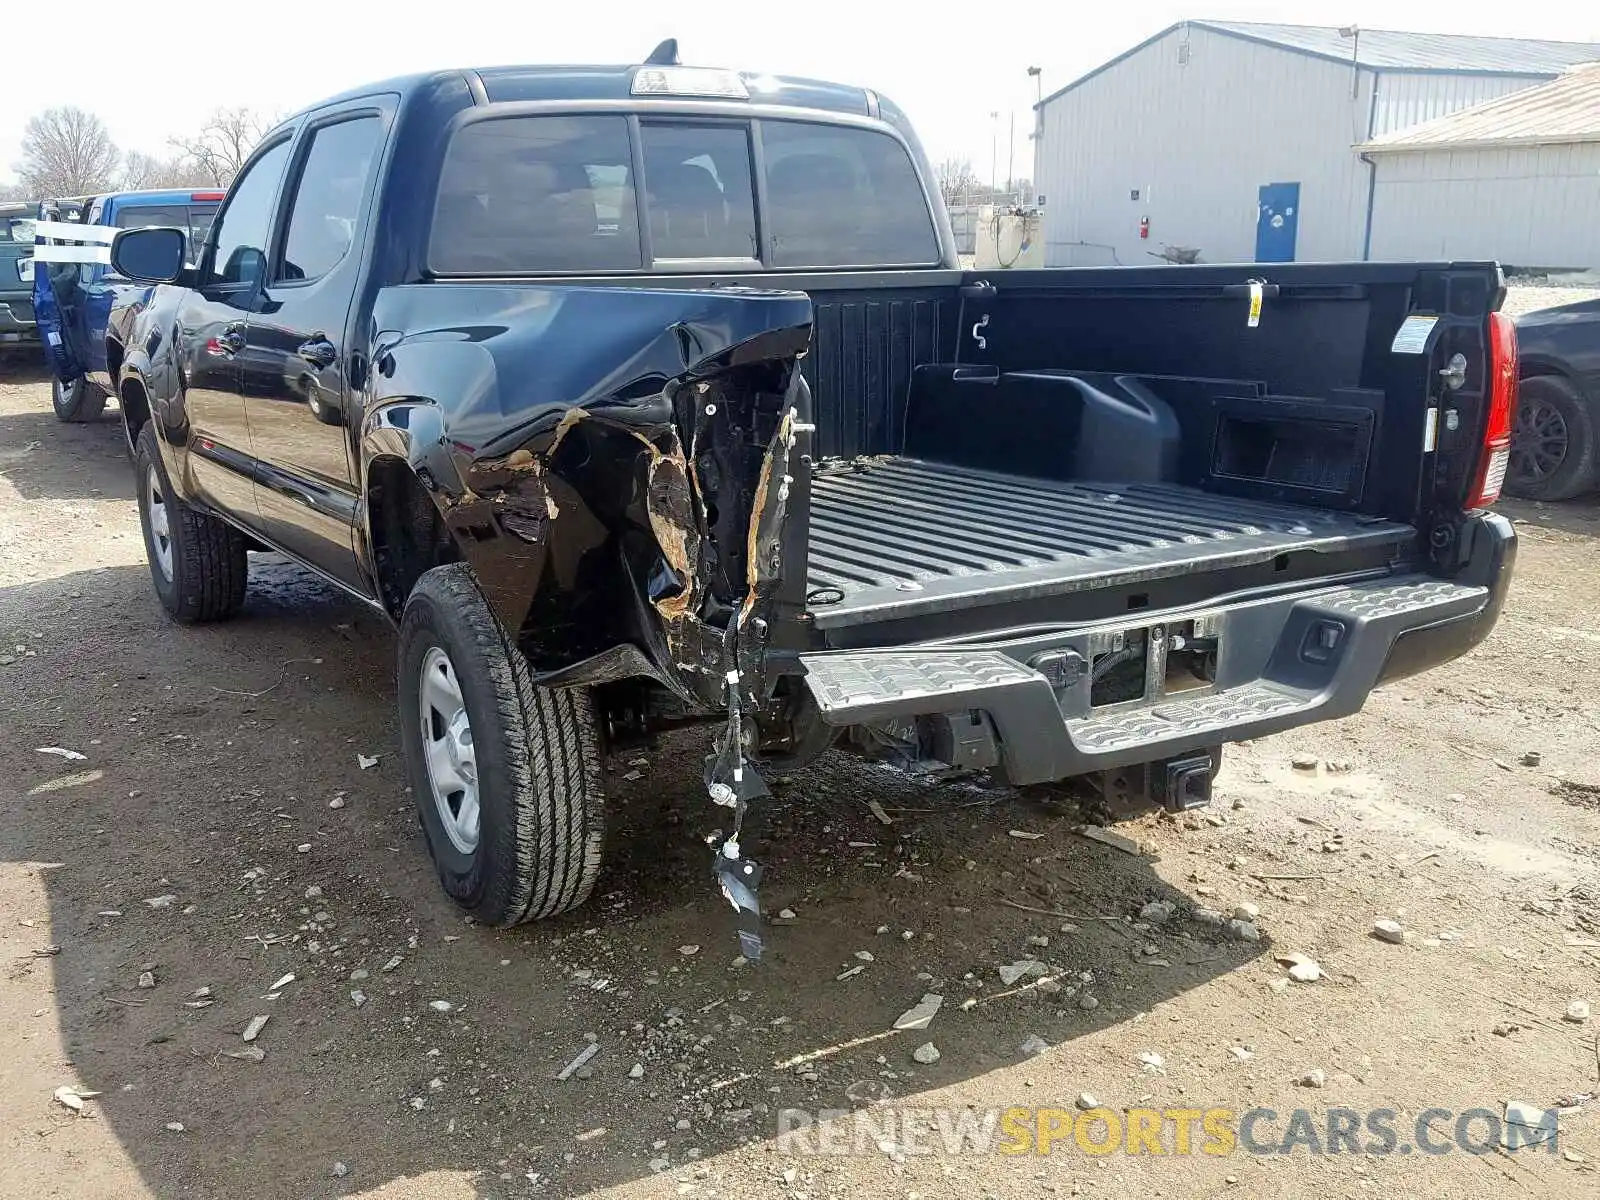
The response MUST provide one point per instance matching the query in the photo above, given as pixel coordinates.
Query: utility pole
(994, 153)
(1011, 157)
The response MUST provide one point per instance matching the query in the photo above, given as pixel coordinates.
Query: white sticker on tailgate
(1412, 336)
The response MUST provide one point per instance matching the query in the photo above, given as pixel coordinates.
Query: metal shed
(1243, 141)
(1516, 179)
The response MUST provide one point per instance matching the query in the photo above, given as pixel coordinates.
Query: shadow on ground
(23, 365)
(46, 459)
(214, 758)
(1578, 516)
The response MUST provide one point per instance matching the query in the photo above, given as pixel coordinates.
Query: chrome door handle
(319, 352)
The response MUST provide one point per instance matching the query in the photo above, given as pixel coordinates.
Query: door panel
(1277, 221)
(59, 267)
(296, 364)
(212, 321)
(55, 302)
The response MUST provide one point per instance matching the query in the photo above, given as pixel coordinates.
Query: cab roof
(512, 84)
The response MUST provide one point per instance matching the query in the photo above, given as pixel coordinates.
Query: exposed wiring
(1108, 662)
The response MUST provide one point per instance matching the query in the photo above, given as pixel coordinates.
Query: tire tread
(211, 565)
(553, 760)
(86, 404)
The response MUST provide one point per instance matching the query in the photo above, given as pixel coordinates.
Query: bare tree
(958, 183)
(67, 152)
(223, 143)
(141, 170)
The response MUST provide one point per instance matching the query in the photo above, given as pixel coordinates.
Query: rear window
(16, 229)
(534, 194)
(840, 197)
(530, 195)
(698, 191)
(193, 219)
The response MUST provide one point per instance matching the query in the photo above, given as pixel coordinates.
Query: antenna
(664, 55)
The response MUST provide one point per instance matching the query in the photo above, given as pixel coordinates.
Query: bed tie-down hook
(979, 291)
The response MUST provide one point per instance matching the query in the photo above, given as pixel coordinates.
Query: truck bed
(894, 537)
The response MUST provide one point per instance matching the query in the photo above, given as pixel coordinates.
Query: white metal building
(1244, 141)
(1517, 179)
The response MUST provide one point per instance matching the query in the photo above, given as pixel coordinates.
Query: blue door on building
(1277, 219)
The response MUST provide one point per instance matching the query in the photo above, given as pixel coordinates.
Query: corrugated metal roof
(1566, 109)
(1387, 50)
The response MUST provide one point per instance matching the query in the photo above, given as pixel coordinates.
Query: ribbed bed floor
(898, 536)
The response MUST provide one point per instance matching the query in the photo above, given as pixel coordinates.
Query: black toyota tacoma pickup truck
(645, 395)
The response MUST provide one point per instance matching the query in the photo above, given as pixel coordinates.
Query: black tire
(1553, 442)
(207, 557)
(77, 401)
(536, 764)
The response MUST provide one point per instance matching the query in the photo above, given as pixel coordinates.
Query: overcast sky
(153, 70)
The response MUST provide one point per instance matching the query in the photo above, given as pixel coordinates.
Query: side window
(698, 191)
(328, 197)
(842, 197)
(200, 218)
(245, 224)
(143, 216)
(525, 195)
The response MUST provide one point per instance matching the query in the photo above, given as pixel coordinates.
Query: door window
(328, 198)
(242, 229)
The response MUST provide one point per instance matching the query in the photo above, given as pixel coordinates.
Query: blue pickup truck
(74, 287)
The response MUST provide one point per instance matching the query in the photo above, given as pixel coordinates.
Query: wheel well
(135, 408)
(409, 536)
(1547, 370)
(1533, 370)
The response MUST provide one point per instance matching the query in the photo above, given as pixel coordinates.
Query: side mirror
(152, 255)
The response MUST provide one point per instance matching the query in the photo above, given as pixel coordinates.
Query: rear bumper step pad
(1274, 675)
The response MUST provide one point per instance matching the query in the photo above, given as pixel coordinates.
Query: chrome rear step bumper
(1281, 662)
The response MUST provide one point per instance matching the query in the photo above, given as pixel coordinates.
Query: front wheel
(77, 401)
(198, 562)
(505, 773)
(1553, 444)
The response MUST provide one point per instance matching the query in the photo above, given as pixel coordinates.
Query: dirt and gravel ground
(219, 834)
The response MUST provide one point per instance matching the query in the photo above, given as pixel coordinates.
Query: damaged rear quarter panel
(563, 430)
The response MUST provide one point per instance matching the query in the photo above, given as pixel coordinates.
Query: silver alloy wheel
(160, 523)
(448, 750)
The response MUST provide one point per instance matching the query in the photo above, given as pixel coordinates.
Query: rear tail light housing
(1496, 453)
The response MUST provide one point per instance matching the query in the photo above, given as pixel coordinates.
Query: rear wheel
(506, 774)
(1553, 443)
(76, 401)
(198, 562)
